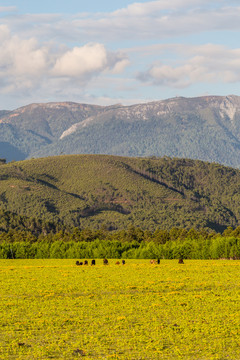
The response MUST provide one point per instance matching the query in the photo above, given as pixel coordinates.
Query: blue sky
(107, 52)
(70, 7)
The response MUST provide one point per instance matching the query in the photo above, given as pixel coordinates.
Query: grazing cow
(81, 263)
(123, 262)
(180, 261)
(93, 262)
(105, 262)
(85, 262)
(158, 261)
(77, 262)
(152, 261)
(118, 263)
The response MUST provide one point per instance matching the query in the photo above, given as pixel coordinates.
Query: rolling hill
(96, 190)
(205, 128)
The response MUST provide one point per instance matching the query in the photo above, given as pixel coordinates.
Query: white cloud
(120, 66)
(207, 63)
(7, 8)
(4, 33)
(88, 60)
(138, 21)
(160, 19)
(68, 54)
(20, 59)
(26, 64)
(151, 7)
(81, 61)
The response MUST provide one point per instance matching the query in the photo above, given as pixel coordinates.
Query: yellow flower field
(53, 309)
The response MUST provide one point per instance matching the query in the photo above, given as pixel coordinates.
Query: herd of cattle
(105, 262)
(93, 262)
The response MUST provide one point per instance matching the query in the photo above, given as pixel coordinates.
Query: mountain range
(205, 128)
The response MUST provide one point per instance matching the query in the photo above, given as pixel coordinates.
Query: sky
(107, 52)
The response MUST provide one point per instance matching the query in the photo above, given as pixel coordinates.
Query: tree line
(130, 243)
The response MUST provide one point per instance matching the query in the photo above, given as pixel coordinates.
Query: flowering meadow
(53, 309)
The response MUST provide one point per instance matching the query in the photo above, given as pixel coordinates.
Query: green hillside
(96, 190)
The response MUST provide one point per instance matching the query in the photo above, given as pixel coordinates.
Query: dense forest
(91, 191)
(131, 243)
(94, 206)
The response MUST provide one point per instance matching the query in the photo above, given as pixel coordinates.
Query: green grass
(55, 309)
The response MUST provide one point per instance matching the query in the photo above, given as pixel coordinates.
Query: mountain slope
(92, 190)
(206, 128)
(32, 127)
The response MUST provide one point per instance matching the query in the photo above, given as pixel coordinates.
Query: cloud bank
(24, 63)
(212, 64)
(177, 44)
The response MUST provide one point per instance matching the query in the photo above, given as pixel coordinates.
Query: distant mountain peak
(205, 127)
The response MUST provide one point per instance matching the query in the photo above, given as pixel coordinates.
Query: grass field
(53, 309)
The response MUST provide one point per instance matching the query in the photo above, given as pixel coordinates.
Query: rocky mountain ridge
(206, 128)
(227, 106)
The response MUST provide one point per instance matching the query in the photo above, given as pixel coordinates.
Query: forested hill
(205, 128)
(95, 190)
